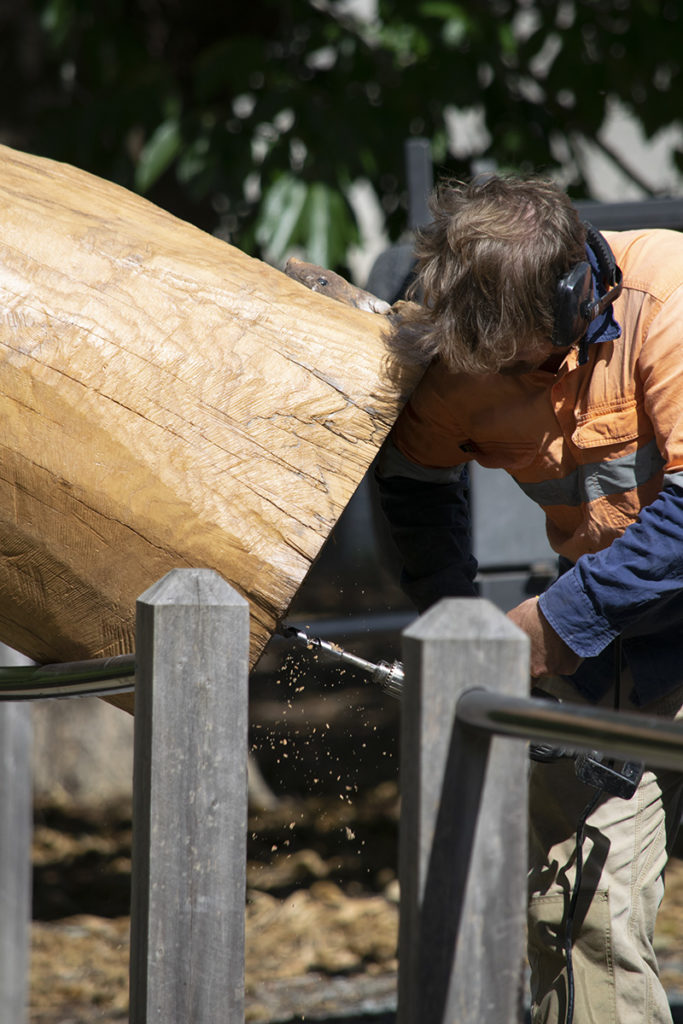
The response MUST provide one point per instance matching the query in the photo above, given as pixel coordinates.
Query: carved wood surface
(167, 401)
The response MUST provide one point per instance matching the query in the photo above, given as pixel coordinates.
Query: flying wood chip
(167, 401)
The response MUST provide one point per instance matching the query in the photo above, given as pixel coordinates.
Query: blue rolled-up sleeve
(633, 587)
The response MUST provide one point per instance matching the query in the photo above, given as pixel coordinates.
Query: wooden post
(15, 851)
(462, 856)
(189, 802)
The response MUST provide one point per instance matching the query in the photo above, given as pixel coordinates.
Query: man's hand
(318, 279)
(550, 655)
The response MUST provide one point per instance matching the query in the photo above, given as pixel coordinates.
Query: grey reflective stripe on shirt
(674, 479)
(392, 462)
(599, 479)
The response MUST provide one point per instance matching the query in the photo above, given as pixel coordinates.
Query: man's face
(538, 354)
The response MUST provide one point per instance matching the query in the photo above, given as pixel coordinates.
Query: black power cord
(569, 923)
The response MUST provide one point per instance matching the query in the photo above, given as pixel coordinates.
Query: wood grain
(166, 401)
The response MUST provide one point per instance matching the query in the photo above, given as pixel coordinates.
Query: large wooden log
(167, 401)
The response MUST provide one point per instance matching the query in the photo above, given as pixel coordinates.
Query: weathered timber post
(15, 852)
(462, 853)
(189, 802)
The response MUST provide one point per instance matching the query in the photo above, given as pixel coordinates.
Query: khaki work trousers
(625, 850)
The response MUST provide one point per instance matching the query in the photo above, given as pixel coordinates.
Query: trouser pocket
(594, 992)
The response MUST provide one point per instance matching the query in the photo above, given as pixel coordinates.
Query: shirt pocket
(621, 423)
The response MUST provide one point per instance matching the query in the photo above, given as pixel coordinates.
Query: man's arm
(632, 581)
(633, 587)
(428, 512)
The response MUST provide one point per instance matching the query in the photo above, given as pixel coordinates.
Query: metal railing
(98, 677)
(615, 734)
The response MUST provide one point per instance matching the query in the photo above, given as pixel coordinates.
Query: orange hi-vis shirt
(591, 444)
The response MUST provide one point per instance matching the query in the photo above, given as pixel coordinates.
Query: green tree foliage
(254, 119)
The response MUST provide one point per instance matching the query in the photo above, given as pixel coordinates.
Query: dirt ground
(315, 907)
(321, 920)
(322, 904)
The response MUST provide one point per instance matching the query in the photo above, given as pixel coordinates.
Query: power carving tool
(618, 780)
(389, 676)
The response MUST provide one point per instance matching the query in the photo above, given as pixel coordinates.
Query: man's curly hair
(487, 270)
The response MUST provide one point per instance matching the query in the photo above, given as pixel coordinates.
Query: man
(543, 361)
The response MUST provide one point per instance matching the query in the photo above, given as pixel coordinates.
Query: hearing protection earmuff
(575, 306)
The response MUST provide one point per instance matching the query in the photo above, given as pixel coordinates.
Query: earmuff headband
(575, 305)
